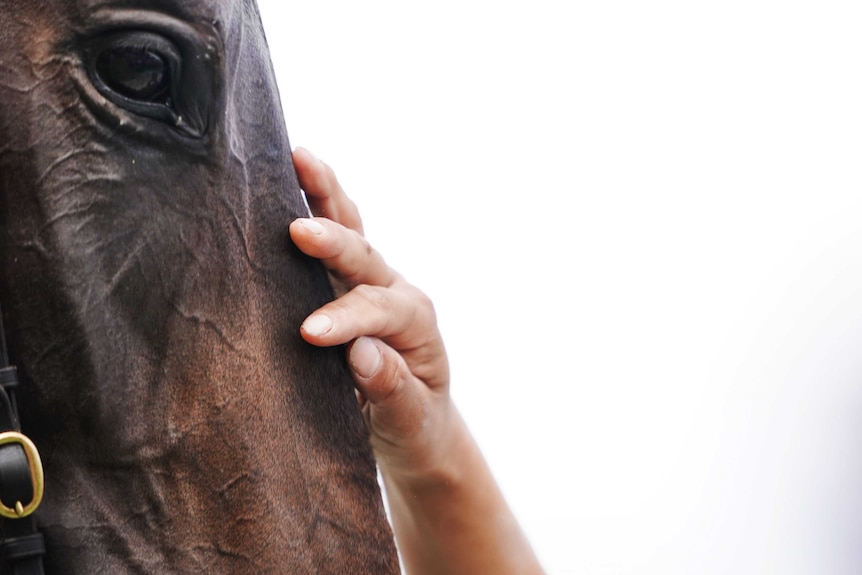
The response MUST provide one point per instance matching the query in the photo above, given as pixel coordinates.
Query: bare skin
(448, 513)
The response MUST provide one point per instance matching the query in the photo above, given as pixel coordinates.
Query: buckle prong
(37, 476)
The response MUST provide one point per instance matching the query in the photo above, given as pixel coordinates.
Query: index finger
(345, 253)
(325, 196)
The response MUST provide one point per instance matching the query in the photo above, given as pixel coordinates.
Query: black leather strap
(22, 546)
(15, 478)
(9, 377)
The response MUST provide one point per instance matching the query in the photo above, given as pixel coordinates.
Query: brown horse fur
(152, 300)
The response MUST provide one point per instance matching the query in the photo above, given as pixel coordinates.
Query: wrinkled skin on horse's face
(152, 300)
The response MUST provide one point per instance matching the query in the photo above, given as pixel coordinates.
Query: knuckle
(361, 247)
(330, 178)
(364, 245)
(424, 305)
(374, 296)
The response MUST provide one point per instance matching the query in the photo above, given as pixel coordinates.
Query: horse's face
(152, 299)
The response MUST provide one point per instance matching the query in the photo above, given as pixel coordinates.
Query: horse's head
(152, 300)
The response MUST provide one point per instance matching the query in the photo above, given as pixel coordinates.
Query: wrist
(438, 461)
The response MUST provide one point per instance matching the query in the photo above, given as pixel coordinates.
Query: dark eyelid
(168, 110)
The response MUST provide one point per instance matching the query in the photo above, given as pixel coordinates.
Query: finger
(388, 387)
(345, 253)
(393, 314)
(403, 318)
(325, 196)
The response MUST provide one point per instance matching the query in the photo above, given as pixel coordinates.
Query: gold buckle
(36, 475)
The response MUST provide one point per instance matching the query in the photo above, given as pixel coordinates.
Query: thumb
(397, 398)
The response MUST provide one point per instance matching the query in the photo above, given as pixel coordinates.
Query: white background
(641, 223)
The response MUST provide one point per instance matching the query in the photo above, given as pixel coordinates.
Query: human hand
(395, 352)
(448, 513)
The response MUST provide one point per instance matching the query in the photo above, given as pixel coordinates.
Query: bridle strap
(21, 546)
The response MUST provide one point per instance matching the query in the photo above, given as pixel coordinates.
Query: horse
(151, 299)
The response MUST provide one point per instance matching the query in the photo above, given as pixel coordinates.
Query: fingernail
(313, 226)
(365, 357)
(317, 325)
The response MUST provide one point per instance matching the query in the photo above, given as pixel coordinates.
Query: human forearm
(453, 518)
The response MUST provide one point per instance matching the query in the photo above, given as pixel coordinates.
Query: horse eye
(142, 76)
(136, 72)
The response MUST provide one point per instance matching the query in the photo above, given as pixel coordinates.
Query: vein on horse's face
(210, 324)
